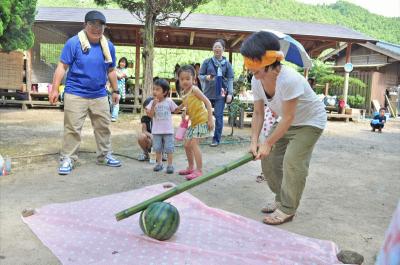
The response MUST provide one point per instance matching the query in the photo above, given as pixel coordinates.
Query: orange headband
(268, 58)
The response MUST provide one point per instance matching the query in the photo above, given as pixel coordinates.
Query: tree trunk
(148, 53)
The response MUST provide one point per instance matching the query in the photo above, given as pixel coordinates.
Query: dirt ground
(351, 192)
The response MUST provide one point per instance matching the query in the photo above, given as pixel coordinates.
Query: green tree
(17, 17)
(340, 13)
(320, 70)
(151, 13)
(5, 10)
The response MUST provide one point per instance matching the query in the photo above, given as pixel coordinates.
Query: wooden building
(378, 65)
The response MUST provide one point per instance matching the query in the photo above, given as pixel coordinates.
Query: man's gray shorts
(163, 143)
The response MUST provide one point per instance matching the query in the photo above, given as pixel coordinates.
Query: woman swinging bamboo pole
(183, 187)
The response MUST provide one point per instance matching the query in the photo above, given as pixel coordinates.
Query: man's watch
(116, 91)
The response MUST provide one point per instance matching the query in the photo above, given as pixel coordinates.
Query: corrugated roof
(395, 48)
(212, 22)
(381, 50)
(356, 66)
(385, 48)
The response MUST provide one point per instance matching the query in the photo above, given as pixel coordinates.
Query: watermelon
(160, 220)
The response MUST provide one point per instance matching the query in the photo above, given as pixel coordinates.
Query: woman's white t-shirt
(289, 85)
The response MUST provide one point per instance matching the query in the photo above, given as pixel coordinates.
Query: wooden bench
(339, 116)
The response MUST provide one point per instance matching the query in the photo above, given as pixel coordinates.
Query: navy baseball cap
(95, 15)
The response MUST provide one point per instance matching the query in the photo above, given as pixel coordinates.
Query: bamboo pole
(184, 186)
(391, 110)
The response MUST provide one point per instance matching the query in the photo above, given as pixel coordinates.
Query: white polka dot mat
(86, 232)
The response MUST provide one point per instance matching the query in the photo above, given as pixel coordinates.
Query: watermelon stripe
(144, 216)
(164, 223)
(155, 221)
(143, 222)
(167, 230)
(152, 209)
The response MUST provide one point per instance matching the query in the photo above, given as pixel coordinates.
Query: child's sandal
(185, 171)
(195, 174)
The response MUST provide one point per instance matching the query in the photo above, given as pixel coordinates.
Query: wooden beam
(192, 37)
(53, 30)
(348, 52)
(137, 68)
(319, 48)
(183, 45)
(241, 37)
(323, 46)
(306, 73)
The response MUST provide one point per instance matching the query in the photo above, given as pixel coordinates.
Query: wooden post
(346, 77)
(306, 70)
(28, 73)
(137, 69)
(326, 89)
(230, 56)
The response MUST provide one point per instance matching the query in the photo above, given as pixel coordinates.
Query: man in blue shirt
(89, 67)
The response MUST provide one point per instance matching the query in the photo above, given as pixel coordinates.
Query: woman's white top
(289, 85)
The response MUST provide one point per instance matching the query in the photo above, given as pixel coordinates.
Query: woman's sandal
(277, 218)
(260, 178)
(270, 207)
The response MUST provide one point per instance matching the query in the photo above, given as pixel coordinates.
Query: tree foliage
(340, 13)
(236, 106)
(5, 15)
(17, 17)
(337, 81)
(163, 10)
(320, 70)
(356, 101)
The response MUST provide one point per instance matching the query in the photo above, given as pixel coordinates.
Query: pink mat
(86, 232)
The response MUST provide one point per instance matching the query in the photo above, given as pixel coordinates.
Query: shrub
(356, 101)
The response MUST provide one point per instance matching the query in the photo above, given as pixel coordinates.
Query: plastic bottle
(1, 165)
(7, 165)
(152, 159)
(180, 132)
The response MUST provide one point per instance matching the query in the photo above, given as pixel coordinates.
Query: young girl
(159, 109)
(198, 108)
(122, 73)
